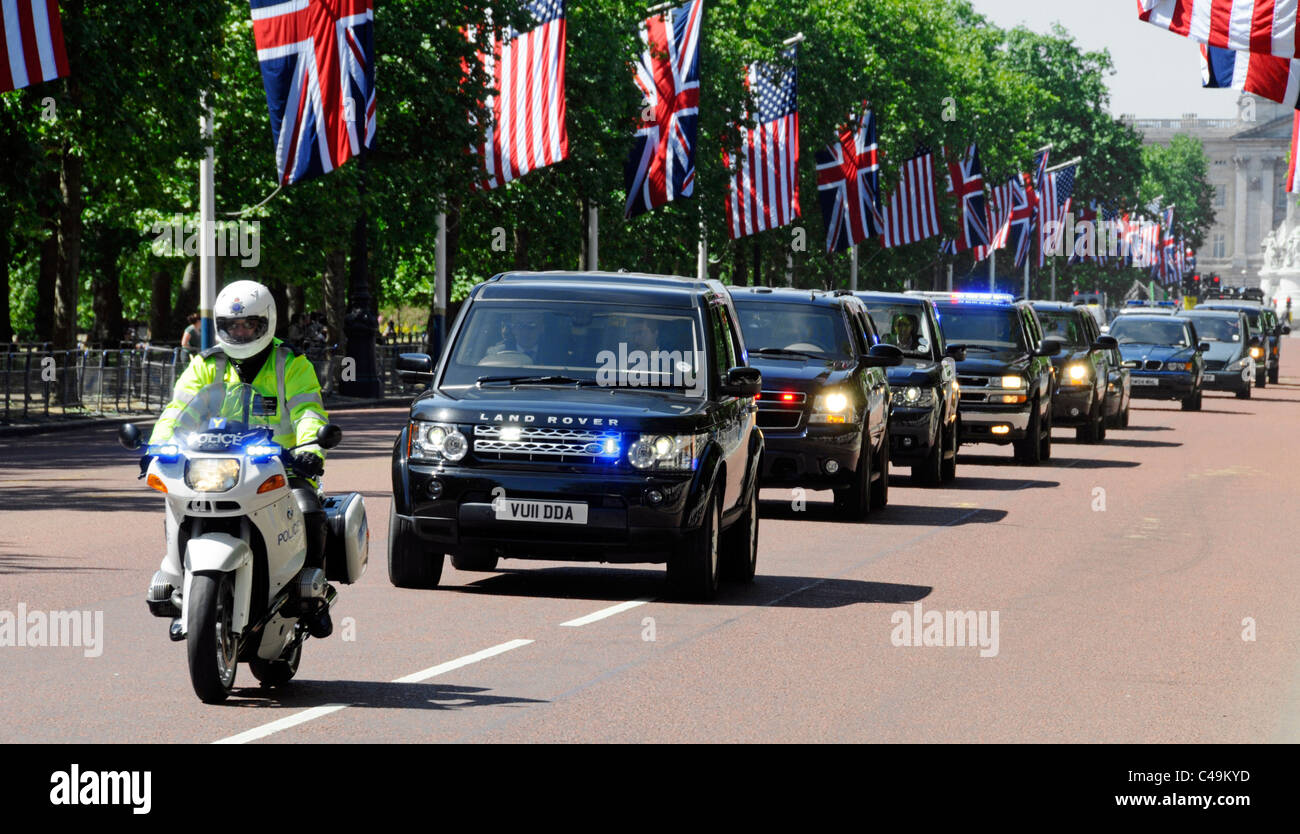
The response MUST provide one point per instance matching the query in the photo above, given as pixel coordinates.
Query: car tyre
(693, 567)
(1261, 378)
(854, 501)
(474, 561)
(1192, 403)
(1095, 429)
(1274, 374)
(409, 564)
(929, 472)
(949, 468)
(1029, 452)
(880, 486)
(740, 544)
(1244, 392)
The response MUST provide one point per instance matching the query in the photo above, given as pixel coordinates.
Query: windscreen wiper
(553, 379)
(775, 351)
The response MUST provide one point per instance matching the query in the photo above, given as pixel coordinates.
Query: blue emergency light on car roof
(981, 297)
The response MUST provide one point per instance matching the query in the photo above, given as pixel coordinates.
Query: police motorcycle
(233, 580)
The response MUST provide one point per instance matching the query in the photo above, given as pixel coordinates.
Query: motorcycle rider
(248, 352)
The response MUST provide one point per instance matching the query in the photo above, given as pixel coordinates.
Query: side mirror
(329, 436)
(742, 382)
(1048, 347)
(414, 368)
(956, 352)
(882, 356)
(1203, 347)
(129, 436)
(1105, 343)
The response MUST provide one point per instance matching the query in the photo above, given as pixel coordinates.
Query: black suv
(923, 425)
(1264, 323)
(593, 417)
(1083, 368)
(824, 409)
(1007, 379)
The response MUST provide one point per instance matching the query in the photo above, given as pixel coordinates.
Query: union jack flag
(661, 165)
(318, 68)
(848, 185)
(966, 182)
(31, 43)
(764, 193)
(1020, 225)
(528, 111)
(1269, 76)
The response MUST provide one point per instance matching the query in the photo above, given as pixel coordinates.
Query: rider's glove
(308, 465)
(145, 460)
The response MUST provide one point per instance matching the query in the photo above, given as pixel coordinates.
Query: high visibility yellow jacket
(287, 379)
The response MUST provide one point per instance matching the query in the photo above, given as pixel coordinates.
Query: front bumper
(1072, 405)
(1225, 380)
(800, 458)
(978, 423)
(913, 431)
(623, 524)
(1169, 385)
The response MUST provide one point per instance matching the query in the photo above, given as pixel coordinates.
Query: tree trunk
(68, 277)
(334, 286)
(187, 301)
(453, 244)
(6, 254)
(160, 304)
(46, 281)
(105, 288)
(295, 301)
(521, 247)
(740, 273)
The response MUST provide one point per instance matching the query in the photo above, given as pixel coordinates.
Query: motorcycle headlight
(1013, 382)
(212, 474)
(665, 452)
(437, 441)
(1077, 373)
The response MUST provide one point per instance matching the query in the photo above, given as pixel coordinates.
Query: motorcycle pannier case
(347, 547)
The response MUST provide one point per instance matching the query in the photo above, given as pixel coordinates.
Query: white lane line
(319, 712)
(608, 612)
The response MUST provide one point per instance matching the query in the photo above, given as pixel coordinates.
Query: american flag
(966, 182)
(1269, 76)
(1057, 190)
(31, 43)
(1039, 184)
(661, 166)
(1085, 236)
(1292, 187)
(1168, 243)
(848, 185)
(1020, 225)
(1001, 201)
(528, 116)
(1267, 26)
(911, 214)
(1113, 234)
(318, 68)
(764, 194)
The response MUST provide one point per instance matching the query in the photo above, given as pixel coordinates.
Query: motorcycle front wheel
(211, 645)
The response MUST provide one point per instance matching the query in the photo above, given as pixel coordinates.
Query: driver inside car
(290, 402)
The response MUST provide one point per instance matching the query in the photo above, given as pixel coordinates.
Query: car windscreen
(1129, 331)
(905, 326)
(596, 343)
(982, 326)
(797, 327)
(1251, 315)
(1217, 328)
(1064, 327)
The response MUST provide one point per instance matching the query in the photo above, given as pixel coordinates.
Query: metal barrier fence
(39, 383)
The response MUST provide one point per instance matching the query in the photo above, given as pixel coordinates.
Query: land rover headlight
(912, 396)
(437, 441)
(1013, 382)
(667, 452)
(212, 474)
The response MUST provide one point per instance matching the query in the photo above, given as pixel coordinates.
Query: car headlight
(676, 452)
(212, 474)
(1077, 374)
(1256, 353)
(833, 407)
(912, 395)
(437, 441)
(1013, 382)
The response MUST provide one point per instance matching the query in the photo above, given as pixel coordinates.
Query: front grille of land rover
(552, 445)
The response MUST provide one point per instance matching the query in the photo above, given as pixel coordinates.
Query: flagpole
(702, 255)
(949, 276)
(853, 268)
(993, 272)
(207, 221)
(440, 284)
(593, 237)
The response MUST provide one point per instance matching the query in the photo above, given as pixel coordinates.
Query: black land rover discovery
(601, 417)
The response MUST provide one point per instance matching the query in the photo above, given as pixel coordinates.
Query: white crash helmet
(245, 318)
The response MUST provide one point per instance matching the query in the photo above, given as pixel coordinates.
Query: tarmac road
(1124, 578)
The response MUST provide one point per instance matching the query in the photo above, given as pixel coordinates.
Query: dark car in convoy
(582, 416)
(1119, 391)
(923, 424)
(1083, 368)
(1231, 361)
(824, 408)
(1264, 323)
(1006, 380)
(1163, 356)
